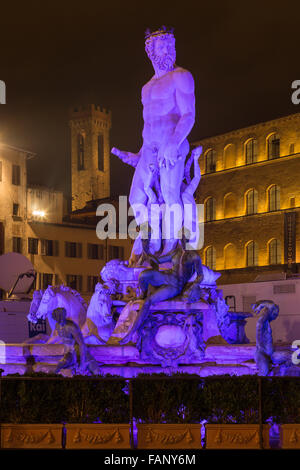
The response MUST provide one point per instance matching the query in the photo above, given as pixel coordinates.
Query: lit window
(252, 254)
(274, 198)
(251, 202)
(251, 151)
(210, 209)
(210, 161)
(210, 257)
(274, 252)
(273, 146)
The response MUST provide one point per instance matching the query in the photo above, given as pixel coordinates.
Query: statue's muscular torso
(165, 100)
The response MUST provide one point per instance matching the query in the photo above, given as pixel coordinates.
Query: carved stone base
(172, 338)
(169, 436)
(31, 436)
(97, 436)
(235, 436)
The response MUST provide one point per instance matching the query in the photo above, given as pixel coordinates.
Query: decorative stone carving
(172, 338)
(169, 436)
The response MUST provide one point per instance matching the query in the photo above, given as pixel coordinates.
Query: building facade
(62, 247)
(251, 196)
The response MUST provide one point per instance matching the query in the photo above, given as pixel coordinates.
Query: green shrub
(281, 399)
(231, 399)
(63, 400)
(167, 401)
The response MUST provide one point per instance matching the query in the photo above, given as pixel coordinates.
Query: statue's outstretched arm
(130, 158)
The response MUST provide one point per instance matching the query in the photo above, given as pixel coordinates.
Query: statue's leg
(164, 292)
(66, 362)
(138, 198)
(150, 277)
(171, 180)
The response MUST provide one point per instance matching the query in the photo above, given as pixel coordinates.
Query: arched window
(210, 161)
(229, 256)
(273, 146)
(210, 209)
(251, 151)
(230, 206)
(274, 198)
(251, 254)
(251, 202)
(210, 257)
(80, 152)
(274, 251)
(229, 156)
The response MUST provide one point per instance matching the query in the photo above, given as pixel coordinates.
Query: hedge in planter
(231, 408)
(100, 410)
(169, 412)
(281, 405)
(64, 400)
(31, 411)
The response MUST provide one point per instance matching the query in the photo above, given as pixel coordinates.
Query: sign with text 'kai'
(37, 328)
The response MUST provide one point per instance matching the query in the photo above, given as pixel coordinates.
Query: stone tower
(90, 154)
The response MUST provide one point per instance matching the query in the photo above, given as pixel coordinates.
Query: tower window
(80, 150)
(100, 152)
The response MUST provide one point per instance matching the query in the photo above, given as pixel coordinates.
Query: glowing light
(38, 213)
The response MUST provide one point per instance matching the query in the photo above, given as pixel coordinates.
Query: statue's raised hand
(127, 157)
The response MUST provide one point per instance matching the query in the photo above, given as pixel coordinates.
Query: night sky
(243, 56)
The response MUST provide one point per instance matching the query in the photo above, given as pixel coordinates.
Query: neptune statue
(169, 113)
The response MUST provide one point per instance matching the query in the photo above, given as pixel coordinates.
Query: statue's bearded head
(160, 48)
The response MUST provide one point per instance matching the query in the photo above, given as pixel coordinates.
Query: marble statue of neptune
(169, 113)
